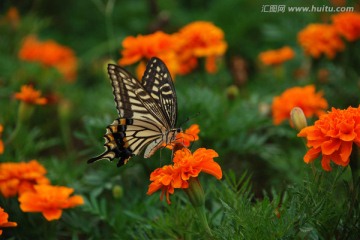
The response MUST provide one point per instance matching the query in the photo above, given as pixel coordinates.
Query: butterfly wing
(126, 137)
(141, 121)
(158, 83)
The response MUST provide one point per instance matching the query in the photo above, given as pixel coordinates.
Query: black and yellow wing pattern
(147, 113)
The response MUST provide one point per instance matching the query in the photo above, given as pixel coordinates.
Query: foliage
(267, 191)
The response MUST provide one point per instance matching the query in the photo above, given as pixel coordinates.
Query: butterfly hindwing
(115, 142)
(147, 114)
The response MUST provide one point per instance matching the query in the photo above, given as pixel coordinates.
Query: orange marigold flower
(276, 57)
(203, 39)
(185, 138)
(332, 136)
(338, 3)
(49, 200)
(12, 17)
(17, 178)
(166, 179)
(1, 142)
(210, 64)
(4, 220)
(200, 39)
(29, 95)
(303, 97)
(144, 47)
(317, 39)
(348, 25)
(190, 165)
(51, 54)
(186, 165)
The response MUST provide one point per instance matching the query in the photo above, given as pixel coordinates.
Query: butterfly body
(147, 110)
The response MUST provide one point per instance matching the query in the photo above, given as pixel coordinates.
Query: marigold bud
(65, 109)
(298, 118)
(117, 191)
(232, 92)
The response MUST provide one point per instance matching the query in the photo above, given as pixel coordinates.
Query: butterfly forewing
(158, 83)
(147, 112)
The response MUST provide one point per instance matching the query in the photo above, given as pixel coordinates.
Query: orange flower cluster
(17, 178)
(338, 3)
(1, 142)
(276, 57)
(35, 192)
(306, 98)
(139, 47)
(4, 220)
(51, 54)
(318, 39)
(12, 17)
(186, 165)
(347, 24)
(180, 51)
(144, 47)
(29, 95)
(332, 136)
(50, 200)
(200, 39)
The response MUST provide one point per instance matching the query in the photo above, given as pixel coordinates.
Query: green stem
(25, 111)
(109, 26)
(354, 164)
(313, 169)
(312, 165)
(15, 132)
(279, 72)
(196, 196)
(200, 211)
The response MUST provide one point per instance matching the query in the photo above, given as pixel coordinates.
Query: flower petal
(311, 155)
(330, 146)
(325, 163)
(52, 214)
(346, 148)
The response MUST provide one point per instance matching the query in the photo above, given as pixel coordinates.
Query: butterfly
(147, 113)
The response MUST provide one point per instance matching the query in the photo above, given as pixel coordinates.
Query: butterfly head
(171, 135)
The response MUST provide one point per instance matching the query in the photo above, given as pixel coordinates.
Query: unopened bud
(65, 108)
(298, 118)
(232, 92)
(117, 191)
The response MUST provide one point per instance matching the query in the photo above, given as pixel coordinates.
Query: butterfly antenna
(188, 118)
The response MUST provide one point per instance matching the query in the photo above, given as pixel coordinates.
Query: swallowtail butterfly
(147, 113)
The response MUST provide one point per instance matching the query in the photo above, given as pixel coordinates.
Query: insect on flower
(147, 113)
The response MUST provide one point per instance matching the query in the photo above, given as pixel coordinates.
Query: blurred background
(234, 103)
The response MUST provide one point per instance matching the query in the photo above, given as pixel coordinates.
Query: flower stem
(14, 133)
(354, 166)
(196, 194)
(200, 211)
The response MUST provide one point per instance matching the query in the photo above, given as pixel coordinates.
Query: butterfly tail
(108, 155)
(124, 155)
